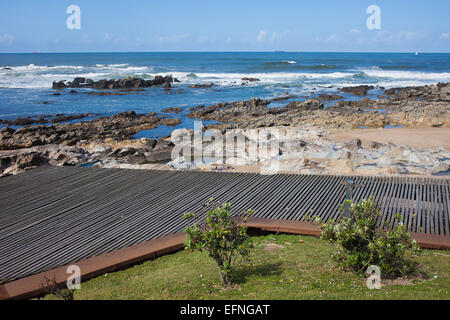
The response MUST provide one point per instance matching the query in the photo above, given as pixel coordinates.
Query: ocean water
(26, 79)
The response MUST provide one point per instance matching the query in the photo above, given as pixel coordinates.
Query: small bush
(361, 243)
(221, 236)
(50, 287)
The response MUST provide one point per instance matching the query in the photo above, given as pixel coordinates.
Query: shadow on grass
(411, 270)
(241, 274)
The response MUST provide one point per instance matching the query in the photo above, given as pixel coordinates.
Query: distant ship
(417, 53)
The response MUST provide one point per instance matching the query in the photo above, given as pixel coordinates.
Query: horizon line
(231, 51)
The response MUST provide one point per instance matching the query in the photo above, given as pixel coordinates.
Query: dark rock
(353, 144)
(23, 121)
(58, 85)
(172, 110)
(126, 83)
(104, 93)
(250, 79)
(159, 156)
(122, 152)
(171, 122)
(201, 86)
(73, 117)
(101, 84)
(375, 145)
(7, 130)
(286, 97)
(135, 159)
(358, 90)
(151, 143)
(29, 160)
(197, 108)
(311, 104)
(330, 97)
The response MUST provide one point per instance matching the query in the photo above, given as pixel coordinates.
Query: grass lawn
(284, 267)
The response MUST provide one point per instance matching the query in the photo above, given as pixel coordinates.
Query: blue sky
(210, 25)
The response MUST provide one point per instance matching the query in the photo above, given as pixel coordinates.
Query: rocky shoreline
(119, 127)
(425, 106)
(309, 150)
(304, 148)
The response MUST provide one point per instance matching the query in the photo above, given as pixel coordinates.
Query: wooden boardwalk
(51, 216)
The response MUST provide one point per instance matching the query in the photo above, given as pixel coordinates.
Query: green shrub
(221, 237)
(361, 244)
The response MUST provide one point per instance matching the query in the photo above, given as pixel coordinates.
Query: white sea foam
(270, 77)
(407, 74)
(33, 76)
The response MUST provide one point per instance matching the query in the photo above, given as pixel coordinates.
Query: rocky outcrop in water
(250, 79)
(121, 126)
(426, 106)
(172, 110)
(311, 104)
(60, 117)
(438, 92)
(126, 83)
(358, 90)
(201, 86)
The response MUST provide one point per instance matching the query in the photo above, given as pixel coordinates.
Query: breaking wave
(35, 76)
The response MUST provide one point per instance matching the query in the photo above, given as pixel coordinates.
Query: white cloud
(261, 36)
(445, 35)
(383, 36)
(6, 38)
(175, 37)
(203, 39)
(107, 36)
(411, 35)
(275, 36)
(332, 38)
(354, 32)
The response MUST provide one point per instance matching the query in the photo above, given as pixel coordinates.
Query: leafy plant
(221, 236)
(50, 286)
(361, 244)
